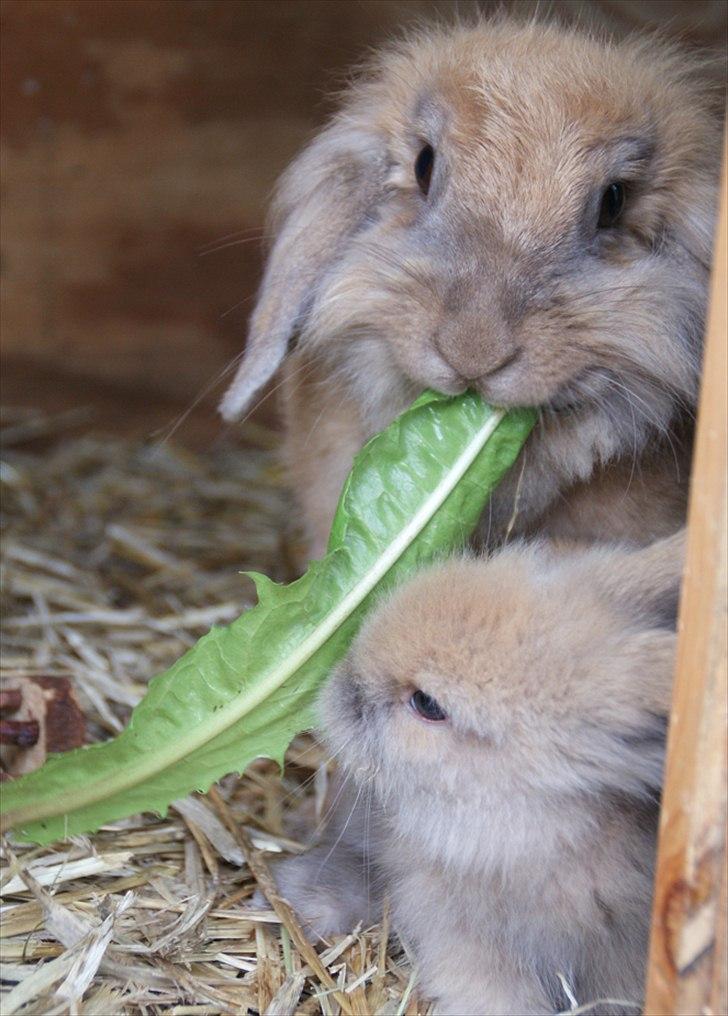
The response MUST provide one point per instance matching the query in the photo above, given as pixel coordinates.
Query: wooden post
(687, 965)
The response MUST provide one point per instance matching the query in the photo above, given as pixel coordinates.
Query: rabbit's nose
(475, 357)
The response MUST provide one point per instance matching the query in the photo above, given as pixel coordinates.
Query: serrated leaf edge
(265, 686)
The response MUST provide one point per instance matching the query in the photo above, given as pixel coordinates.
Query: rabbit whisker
(172, 429)
(339, 838)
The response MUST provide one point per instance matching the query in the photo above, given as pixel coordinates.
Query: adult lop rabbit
(521, 208)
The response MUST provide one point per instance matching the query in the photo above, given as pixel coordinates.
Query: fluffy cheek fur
(386, 750)
(619, 339)
(371, 324)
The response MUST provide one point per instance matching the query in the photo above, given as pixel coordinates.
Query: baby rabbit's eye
(612, 205)
(423, 168)
(427, 707)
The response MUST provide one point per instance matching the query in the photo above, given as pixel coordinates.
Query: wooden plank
(687, 954)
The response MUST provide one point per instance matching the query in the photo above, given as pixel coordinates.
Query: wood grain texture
(136, 134)
(687, 956)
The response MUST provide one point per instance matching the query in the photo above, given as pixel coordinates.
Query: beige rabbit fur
(516, 838)
(500, 278)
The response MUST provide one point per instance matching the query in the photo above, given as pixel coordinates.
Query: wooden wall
(138, 133)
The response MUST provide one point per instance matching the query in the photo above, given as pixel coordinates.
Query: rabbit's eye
(427, 707)
(423, 168)
(612, 205)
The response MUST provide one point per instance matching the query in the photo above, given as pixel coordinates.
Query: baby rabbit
(516, 207)
(501, 728)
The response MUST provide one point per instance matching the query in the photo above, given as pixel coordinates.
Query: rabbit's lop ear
(647, 582)
(322, 198)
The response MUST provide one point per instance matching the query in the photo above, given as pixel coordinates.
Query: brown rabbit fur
(499, 277)
(516, 837)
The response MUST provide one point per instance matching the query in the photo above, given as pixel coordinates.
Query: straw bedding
(117, 556)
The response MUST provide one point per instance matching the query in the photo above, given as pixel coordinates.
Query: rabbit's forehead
(495, 639)
(507, 649)
(532, 87)
(503, 132)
